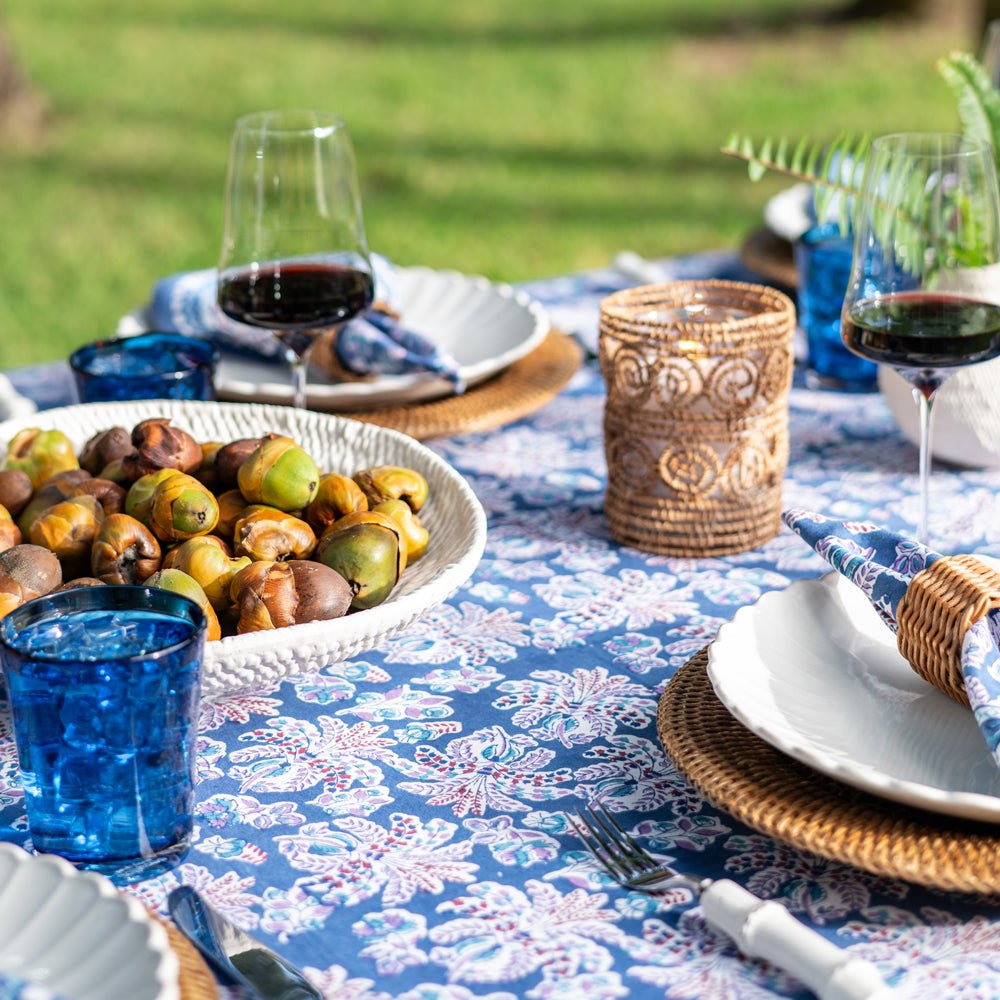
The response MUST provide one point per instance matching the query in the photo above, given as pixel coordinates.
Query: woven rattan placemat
(776, 795)
(516, 392)
(771, 256)
(195, 978)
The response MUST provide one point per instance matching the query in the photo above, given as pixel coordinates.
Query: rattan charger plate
(771, 256)
(517, 391)
(744, 776)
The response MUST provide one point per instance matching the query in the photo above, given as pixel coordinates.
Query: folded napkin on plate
(376, 342)
(883, 564)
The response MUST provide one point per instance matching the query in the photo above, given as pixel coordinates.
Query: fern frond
(978, 100)
(809, 161)
(834, 169)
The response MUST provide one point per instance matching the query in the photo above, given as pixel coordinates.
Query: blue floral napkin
(882, 563)
(14, 988)
(375, 343)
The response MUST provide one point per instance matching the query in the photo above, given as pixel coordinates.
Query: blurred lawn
(513, 139)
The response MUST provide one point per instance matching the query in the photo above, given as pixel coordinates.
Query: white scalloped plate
(484, 326)
(813, 671)
(12, 403)
(787, 214)
(76, 935)
(453, 515)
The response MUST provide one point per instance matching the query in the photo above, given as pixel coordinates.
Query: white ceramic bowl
(453, 515)
(76, 935)
(966, 414)
(12, 403)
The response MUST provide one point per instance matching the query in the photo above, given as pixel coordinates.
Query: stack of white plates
(813, 671)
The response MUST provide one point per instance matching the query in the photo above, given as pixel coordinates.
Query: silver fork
(760, 928)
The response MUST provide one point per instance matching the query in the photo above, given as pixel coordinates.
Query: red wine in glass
(295, 300)
(921, 296)
(921, 333)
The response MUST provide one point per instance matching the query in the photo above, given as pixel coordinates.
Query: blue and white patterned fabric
(395, 824)
(373, 343)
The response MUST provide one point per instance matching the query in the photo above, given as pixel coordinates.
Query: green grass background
(514, 139)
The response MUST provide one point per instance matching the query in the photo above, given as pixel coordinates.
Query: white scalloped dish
(76, 936)
(454, 517)
(12, 403)
(813, 671)
(484, 326)
(788, 213)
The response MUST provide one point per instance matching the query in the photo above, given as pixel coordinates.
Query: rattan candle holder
(696, 416)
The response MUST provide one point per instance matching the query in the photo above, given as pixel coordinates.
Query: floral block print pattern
(397, 825)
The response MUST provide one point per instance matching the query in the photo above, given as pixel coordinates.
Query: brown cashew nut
(158, 445)
(336, 496)
(268, 533)
(104, 448)
(124, 551)
(27, 571)
(274, 594)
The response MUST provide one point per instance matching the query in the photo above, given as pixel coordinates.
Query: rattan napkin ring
(940, 604)
(323, 356)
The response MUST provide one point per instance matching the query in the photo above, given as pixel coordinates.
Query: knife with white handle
(765, 929)
(235, 953)
(636, 268)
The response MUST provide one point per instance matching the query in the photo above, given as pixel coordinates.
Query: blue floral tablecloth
(394, 824)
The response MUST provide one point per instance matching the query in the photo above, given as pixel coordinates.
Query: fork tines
(612, 846)
(625, 860)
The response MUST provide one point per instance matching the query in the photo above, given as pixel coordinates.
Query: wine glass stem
(298, 348)
(925, 402)
(300, 367)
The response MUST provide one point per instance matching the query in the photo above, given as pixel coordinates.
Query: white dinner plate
(813, 671)
(789, 212)
(453, 516)
(76, 935)
(484, 326)
(12, 403)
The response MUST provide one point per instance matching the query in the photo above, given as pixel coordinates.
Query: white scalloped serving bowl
(76, 935)
(453, 515)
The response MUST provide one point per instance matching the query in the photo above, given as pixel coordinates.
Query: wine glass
(989, 53)
(926, 250)
(294, 255)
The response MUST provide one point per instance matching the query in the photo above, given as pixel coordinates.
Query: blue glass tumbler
(103, 684)
(823, 262)
(151, 365)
